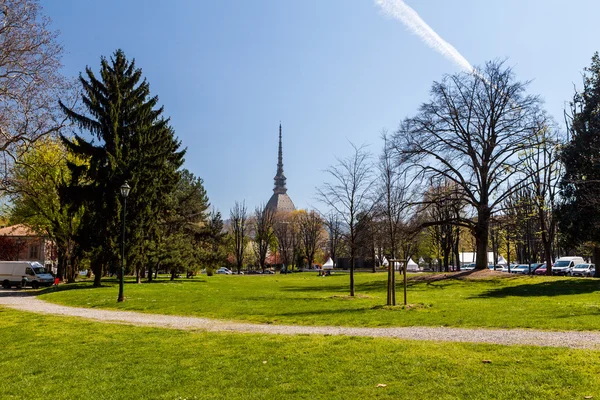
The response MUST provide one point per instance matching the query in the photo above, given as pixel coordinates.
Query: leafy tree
(580, 188)
(133, 143)
(37, 179)
(10, 248)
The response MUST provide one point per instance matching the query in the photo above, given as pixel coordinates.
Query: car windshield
(40, 270)
(560, 264)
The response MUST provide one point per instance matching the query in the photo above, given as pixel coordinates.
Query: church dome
(280, 201)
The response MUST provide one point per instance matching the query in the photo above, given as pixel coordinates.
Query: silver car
(523, 269)
(583, 270)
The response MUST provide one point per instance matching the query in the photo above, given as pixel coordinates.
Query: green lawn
(305, 299)
(50, 357)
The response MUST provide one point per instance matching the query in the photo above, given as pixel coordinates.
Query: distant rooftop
(17, 230)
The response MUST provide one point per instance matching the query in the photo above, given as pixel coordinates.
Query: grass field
(306, 299)
(48, 357)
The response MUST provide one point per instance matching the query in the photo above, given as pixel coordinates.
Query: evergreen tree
(181, 228)
(132, 142)
(580, 213)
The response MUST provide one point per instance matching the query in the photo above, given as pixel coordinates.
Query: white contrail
(399, 10)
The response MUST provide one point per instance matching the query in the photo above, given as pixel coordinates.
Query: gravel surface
(573, 339)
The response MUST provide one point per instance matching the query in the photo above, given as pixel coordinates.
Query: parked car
(525, 268)
(541, 270)
(583, 270)
(224, 271)
(522, 269)
(468, 267)
(512, 266)
(268, 272)
(564, 265)
(253, 272)
(495, 267)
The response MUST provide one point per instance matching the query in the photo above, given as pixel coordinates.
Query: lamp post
(124, 193)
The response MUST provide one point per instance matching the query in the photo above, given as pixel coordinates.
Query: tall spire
(280, 177)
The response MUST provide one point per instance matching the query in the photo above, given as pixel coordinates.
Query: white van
(564, 265)
(23, 273)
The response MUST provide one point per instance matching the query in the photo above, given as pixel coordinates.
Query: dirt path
(573, 339)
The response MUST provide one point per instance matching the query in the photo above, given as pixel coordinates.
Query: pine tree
(133, 142)
(580, 213)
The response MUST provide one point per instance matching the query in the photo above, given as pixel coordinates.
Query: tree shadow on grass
(344, 287)
(308, 313)
(546, 288)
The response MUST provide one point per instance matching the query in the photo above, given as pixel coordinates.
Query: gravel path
(573, 339)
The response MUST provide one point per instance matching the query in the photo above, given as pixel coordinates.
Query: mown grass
(305, 299)
(50, 357)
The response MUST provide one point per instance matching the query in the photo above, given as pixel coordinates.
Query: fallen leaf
(381, 385)
(588, 397)
(264, 362)
(486, 361)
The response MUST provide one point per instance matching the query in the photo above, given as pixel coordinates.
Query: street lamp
(125, 188)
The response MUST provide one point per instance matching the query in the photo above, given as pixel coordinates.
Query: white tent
(411, 266)
(469, 258)
(328, 264)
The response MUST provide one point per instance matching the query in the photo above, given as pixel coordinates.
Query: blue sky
(332, 71)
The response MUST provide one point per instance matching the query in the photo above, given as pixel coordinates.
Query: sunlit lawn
(306, 299)
(49, 357)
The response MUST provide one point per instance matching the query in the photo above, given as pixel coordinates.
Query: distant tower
(280, 201)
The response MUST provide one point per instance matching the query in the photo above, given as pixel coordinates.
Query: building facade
(21, 243)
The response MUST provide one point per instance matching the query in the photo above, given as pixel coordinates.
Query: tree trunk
(97, 269)
(62, 261)
(150, 278)
(481, 237)
(456, 249)
(596, 259)
(352, 260)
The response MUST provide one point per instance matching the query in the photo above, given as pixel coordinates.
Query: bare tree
(263, 233)
(395, 206)
(238, 218)
(30, 81)
(471, 133)
(284, 228)
(349, 195)
(442, 212)
(335, 232)
(544, 171)
(310, 228)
